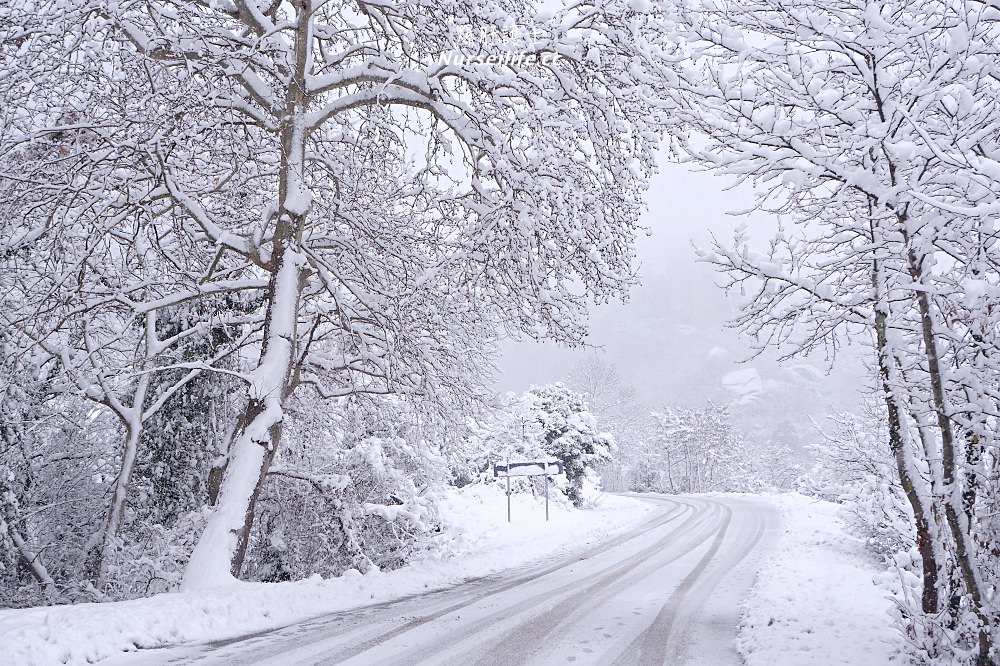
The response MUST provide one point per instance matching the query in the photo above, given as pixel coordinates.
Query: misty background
(670, 340)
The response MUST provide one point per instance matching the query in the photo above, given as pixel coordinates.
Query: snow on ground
(816, 601)
(479, 542)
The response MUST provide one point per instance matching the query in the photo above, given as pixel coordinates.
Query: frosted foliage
(872, 131)
(51, 468)
(361, 216)
(570, 433)
(181, 441)
(353, 488)
(547, 422)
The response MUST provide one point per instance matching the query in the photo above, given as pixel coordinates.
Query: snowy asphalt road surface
(669, 592)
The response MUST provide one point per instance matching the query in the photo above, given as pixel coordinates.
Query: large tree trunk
(220, 552)
(218, 557)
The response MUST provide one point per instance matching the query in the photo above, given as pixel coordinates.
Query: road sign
(544, 468)
(532, 468)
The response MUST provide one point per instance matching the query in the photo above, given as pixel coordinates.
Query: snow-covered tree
(184, 438)
(871, 131)
(88, 254)
(619, 411)
(696, 451)
(384, 199)
(571, 434)
(548, 422)
(20, 408)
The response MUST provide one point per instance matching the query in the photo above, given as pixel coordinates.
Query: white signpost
(544, 468)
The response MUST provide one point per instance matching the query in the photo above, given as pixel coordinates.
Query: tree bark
(218, 558)
(222, 548)
(908, 476)
(953, 499)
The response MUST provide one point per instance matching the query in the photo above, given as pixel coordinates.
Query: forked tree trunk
(131, 419)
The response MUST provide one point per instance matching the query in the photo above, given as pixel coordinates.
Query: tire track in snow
(656, 581)
(473, 628)
(357, 630)
(535, 633)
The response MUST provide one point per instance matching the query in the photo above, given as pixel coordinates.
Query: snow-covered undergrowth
(478, 542)
(818, 600)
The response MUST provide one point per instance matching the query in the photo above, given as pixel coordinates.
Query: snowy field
(815, 601)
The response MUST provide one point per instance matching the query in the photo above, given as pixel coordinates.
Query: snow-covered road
(667, 592)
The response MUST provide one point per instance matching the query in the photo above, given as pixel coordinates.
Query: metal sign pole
(508, 489)
(546, 497)
(529, 469)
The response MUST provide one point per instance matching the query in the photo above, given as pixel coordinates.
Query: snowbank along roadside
(478, 542)
(816, 601)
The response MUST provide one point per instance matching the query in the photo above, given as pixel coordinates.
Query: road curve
(668, 592)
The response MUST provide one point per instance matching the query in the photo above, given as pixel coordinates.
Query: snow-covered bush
(548, 422)
(151, 556)
(853, 466)
(355, 488)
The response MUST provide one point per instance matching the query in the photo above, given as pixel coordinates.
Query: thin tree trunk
(909, 476)
(116, 511)
(954, 513)
(31, 559)
(670, 474)
(132, 421)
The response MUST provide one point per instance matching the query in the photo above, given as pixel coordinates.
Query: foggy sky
(670, 339)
